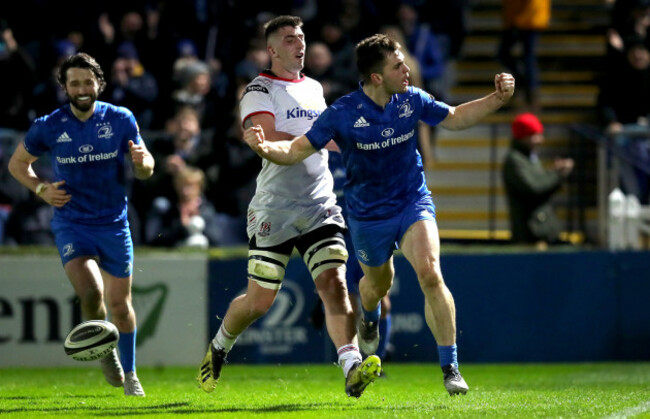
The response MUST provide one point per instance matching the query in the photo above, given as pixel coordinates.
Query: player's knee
(259, 306)
(267, 268)
(377, 285)
(332, 282)
(90, 297)
(431, 279)
(326, 254)
(120, 310)
(384, 287)
(333, 291)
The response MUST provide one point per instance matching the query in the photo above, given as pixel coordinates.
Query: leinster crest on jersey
(105, 130)
(405, 110)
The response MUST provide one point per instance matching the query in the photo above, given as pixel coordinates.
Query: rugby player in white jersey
(294, 206)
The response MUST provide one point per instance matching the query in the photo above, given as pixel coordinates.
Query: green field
(612, 390)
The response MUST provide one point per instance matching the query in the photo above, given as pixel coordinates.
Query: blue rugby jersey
(336, 167)
(90, 157)
(379, 148)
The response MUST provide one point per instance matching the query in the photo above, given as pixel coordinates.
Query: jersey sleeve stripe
(255, 113)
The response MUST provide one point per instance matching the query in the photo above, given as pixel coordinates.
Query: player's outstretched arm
(470, 113)
(284, 153)
(143, 162)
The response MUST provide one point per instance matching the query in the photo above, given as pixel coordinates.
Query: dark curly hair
(81, 60)
(372, 53)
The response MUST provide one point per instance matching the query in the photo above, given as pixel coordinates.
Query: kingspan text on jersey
(299, 112)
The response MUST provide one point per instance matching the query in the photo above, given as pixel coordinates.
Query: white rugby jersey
(295, 105)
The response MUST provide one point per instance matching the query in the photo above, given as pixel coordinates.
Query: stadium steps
(465, 176)
(552, 96)
(552, 46)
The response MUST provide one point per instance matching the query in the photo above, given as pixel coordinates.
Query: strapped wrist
(40, 189)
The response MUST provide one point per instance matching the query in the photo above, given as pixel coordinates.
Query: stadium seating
(465, 178)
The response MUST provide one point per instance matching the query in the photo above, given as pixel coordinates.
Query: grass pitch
(607, 390)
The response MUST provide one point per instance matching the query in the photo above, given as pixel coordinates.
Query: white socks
(223, 339)
(348, 356)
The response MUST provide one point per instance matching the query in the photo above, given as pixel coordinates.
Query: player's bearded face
(81, 88)
(83, 102)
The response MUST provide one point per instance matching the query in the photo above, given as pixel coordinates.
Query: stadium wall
(515, 307)
(540, 307)
(38, 309)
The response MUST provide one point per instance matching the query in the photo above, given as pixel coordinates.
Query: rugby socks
(224, 340)
(447, 355)
(384, 335)
(372, 316)
(126, 345)
(349, 355)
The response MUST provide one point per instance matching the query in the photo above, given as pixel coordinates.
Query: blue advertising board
(529, 307)
(285, 334)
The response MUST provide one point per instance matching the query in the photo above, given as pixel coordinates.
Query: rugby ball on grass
(91, 340)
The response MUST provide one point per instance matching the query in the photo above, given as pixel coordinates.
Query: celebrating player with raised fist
(386, 194)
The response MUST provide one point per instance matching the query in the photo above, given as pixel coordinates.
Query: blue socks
(372, 316)
(126, 345)
(448, 355)
(384, 335)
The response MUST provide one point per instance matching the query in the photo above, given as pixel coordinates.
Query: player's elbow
(11, 167)
(16, 167)
(454, 122)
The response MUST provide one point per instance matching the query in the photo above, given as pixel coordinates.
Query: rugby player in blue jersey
(353, 272)
(89, 142)
(387, 198)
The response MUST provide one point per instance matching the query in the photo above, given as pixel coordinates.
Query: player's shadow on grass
(103, 410)
(80, 396)
(326, 408)
(186, 408)
(283, 408)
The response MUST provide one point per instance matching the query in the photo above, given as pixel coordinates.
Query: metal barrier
(622, 220)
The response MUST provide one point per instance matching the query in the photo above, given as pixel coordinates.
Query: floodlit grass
(316, 391)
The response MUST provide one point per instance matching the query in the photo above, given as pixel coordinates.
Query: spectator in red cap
(529, 186)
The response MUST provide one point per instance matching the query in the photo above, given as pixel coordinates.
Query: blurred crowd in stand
(623, 103)
(180, 66)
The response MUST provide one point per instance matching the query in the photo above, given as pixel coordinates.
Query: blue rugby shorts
(111, 245)
(376, 240)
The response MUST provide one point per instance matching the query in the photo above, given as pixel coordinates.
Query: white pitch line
(631, 411)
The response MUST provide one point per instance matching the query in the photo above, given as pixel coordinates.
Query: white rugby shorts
(272, 227)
